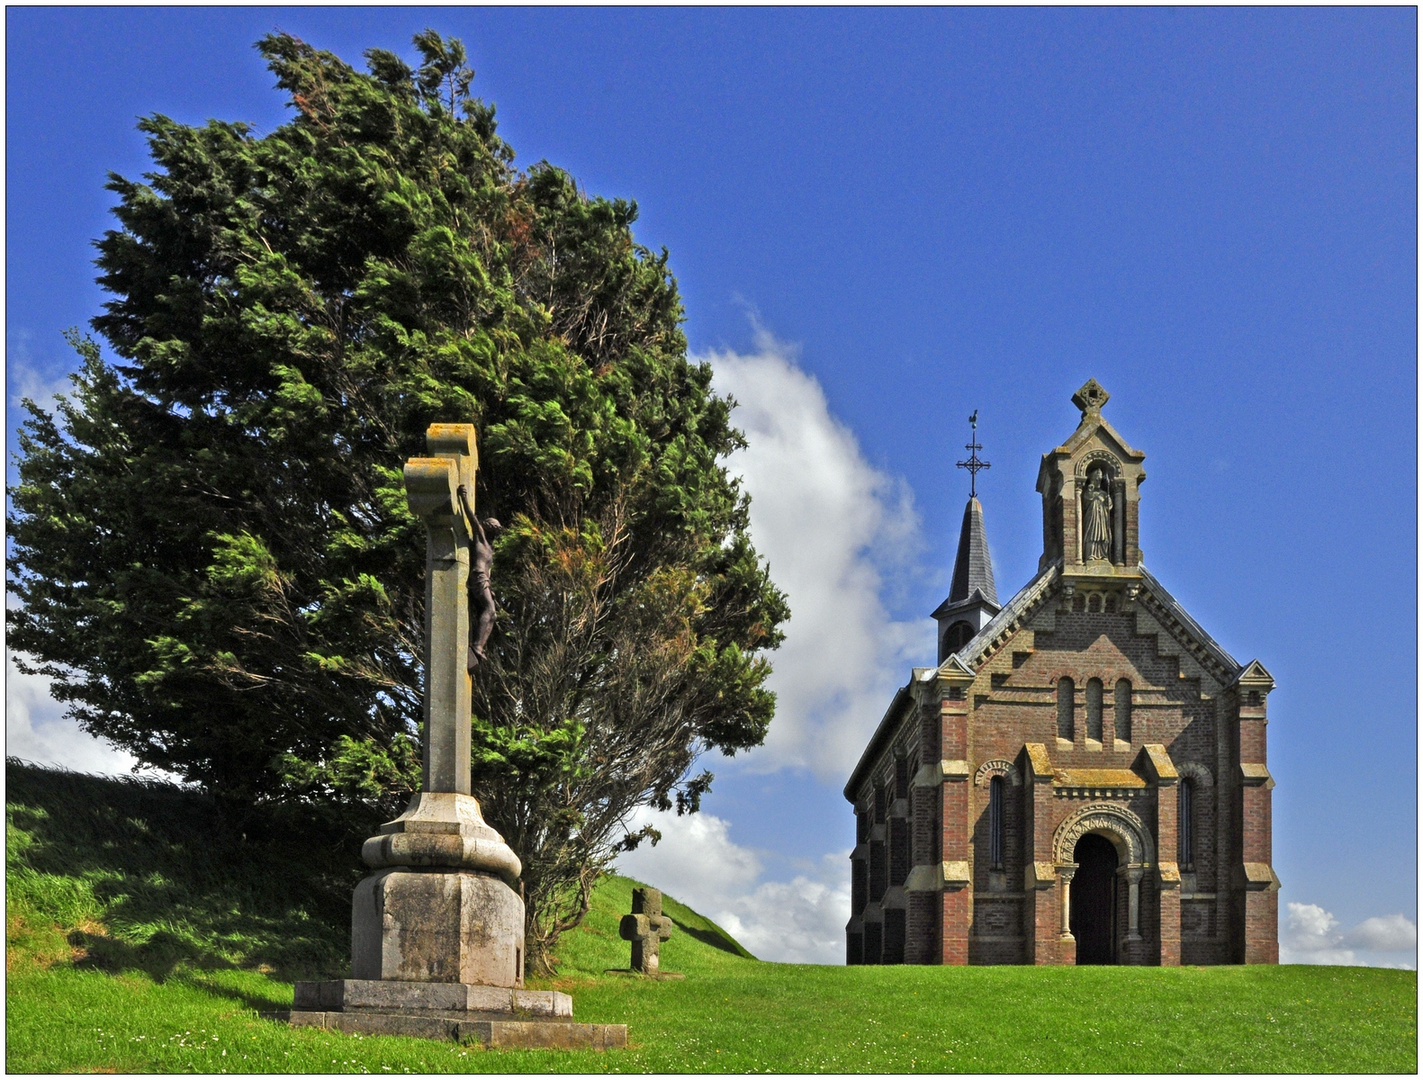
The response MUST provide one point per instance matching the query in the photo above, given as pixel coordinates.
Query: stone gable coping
(955, 770)
(1253, 775)
(1261, 876)
(1256, 677)
(1041, 875)
(1038, 761)
(957, 873)
(1157, 763)
(925, 879)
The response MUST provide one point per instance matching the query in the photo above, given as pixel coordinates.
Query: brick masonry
(1153, 705)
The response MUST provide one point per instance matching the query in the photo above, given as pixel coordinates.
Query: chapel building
(1082, 778)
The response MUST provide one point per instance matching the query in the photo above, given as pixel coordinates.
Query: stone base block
(492, 1015)
(346, 995)
(508, 1033)
(441, 926)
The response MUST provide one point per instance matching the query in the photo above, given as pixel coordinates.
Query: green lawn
(142, 938)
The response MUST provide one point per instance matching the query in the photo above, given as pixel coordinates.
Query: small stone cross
(646, 928)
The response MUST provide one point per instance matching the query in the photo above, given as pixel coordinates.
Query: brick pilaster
(1168, 872)
(1261, 908)
(1042, 916)
(955, 843)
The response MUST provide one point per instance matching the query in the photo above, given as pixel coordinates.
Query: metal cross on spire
(973, 464)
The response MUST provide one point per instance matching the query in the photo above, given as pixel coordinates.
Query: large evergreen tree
(211, 549)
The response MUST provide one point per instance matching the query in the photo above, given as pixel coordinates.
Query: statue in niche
(1096, 517)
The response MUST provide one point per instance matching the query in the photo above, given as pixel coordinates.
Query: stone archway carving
(1104, 458)
(1133, 842)
(1119, 824)
(997, 767)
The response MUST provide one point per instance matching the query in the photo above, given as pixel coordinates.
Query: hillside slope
(123, 874)
(145, 935)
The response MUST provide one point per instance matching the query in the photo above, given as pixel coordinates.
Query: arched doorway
(1093, 900)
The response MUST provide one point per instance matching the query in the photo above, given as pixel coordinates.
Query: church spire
(973, 569)
(973, 599)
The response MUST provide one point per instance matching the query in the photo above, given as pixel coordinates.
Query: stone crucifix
(646, 928)
(443, 904)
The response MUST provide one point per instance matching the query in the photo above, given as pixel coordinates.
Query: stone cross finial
(646, 928)
(1090, 398)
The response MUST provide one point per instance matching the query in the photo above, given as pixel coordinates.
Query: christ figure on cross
(481, 599)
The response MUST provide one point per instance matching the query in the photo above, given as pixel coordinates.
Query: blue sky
(882, 220)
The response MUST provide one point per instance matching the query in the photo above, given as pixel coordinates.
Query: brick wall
(1012, 701)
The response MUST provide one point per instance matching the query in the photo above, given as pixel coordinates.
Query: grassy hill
(145, 934)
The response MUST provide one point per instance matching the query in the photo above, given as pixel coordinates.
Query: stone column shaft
(1066, 873)
(447, 696)
(1134, 904)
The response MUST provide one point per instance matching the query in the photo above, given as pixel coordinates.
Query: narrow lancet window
(1094, 709)
(1188, 830)
(995, 823)
(1066, 721)
(1123, 710)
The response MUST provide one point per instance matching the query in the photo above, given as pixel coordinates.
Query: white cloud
(801, 921)
(37, 730)
(695, 858)
(798, 921)
(25, 379)
(1311, 935)
(1384, 933)
(830, 525)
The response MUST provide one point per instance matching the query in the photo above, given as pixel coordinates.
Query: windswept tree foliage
(211, 546)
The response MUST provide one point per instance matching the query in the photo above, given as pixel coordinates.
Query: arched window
(1065, 718)
(1187, 797)
(956, 637)
(995, 823)
(1094, 709)
(1124, 710)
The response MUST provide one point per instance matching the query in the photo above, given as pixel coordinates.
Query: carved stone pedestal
(442, 905)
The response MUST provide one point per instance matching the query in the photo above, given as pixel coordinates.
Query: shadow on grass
(715, 938)
(178, 884)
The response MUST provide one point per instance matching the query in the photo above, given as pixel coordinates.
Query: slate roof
(974, 568)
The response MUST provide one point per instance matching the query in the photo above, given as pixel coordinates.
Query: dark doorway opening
(1093, 914)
